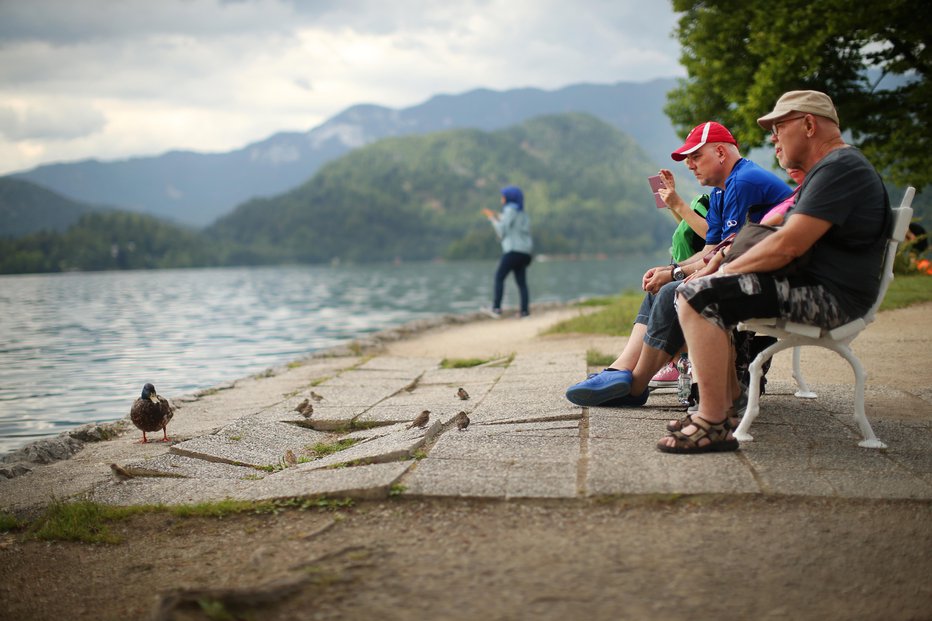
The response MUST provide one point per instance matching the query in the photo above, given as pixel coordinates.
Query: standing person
(841, 213)
(513, 228)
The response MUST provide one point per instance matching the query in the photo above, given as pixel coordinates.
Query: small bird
(462, 421)
(462, 394)
(120, 474)
(290, 459)
(150, 412)
(305, 408)
(316, 397)
(420, 420)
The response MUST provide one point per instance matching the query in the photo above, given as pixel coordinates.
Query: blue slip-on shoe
(628, 401)
(600, 387)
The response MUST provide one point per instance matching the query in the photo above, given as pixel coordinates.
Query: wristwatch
(678, 273)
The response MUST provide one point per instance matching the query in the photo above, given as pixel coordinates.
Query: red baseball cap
(709, 131)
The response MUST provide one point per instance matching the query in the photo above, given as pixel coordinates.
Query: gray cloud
(132, 77)
(50, 123)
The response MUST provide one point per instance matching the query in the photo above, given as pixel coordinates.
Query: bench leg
(860, 417)
(753, 408)
(803, 392)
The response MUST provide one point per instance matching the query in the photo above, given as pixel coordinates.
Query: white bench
(797, 335)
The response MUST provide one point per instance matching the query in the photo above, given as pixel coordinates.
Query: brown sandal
(716, 433)
(678, 424)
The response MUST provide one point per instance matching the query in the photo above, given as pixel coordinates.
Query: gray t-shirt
(844, 189)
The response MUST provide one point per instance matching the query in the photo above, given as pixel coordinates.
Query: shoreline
(66, 444)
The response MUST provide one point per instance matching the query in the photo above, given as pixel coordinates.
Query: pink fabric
(781, 208)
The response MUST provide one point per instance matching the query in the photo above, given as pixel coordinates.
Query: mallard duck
(151, 412)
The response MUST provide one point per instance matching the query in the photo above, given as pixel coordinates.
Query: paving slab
(182, 466)
(632, 465)
(249, 442)
(438, 395)
(463, 478)
(460, 376)
(371, 481)
(359, 392)
(398, 445)
(333, 417)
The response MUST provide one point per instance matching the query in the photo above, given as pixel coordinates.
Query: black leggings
(516, 262)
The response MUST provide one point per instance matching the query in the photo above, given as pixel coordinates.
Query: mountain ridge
(196, 188)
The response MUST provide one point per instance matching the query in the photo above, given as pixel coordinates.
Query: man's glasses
(775, 128)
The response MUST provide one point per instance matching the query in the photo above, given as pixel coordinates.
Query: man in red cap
(841, 213)
(738, 184)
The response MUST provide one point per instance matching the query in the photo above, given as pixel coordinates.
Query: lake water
(77, 348)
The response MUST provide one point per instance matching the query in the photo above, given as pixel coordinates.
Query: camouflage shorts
(726, 300)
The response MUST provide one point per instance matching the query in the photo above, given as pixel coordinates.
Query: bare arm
(795, 237)
(680, 208)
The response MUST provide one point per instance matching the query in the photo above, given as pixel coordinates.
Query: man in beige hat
(842, 214)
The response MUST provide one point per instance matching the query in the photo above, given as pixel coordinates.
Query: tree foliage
(108, 241)
(872, 58)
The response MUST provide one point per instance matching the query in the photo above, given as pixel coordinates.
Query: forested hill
(419, 197)
(409, 198)
(28, 208)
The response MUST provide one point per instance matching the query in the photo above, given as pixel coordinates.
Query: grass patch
(462, 363)
(465, 363)
(82, 521)
(8, 522)
(617, 313)
(595, 358)
(322, 449)
(88, 522)
(907, 290)
(614, 319)
(269, 467)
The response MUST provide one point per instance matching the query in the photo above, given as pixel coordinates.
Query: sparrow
(316, 397)
(462, 394)
(301, 406)
(420, 420)
(119, 473)
(150, 412)
(307, 411)
(462, 421)
(290, 459)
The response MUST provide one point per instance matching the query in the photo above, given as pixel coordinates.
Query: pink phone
(655, 184)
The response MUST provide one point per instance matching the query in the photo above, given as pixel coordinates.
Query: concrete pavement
(246, 441)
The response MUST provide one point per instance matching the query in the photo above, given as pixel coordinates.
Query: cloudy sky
(110, 79)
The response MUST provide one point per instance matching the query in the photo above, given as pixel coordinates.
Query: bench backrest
(902, 216)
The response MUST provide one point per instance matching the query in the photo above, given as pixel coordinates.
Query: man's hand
(656, 277)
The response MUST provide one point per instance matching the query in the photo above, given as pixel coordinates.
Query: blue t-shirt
(747, 186)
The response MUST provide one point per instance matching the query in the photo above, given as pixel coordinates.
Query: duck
(150, 412)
